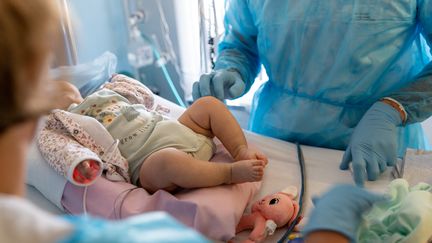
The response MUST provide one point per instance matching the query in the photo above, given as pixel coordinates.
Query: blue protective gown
(327, 62)
(154, 227)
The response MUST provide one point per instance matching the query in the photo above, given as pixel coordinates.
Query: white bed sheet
(322, 171)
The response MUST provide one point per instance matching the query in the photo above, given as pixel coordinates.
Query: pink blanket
(213, 211)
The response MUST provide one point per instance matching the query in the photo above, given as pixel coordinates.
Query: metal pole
(70, 49)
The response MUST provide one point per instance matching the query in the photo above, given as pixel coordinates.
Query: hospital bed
(322, 171)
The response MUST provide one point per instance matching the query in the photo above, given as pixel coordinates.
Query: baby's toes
(262, 157)
(258, 169)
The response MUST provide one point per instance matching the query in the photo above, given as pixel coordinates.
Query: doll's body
(269, 213)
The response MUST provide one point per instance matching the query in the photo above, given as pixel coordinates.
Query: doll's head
(279, 207)
(28, 30)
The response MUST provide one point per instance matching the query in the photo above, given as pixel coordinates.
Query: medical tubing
(302, 191)
(118, 214)
(165, 71)
(167, 40)
(110, 150)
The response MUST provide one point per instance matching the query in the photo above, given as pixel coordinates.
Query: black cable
(303, 184)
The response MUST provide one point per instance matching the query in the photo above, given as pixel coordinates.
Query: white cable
(85, 201)
(216, 30)
(110, 152)
(112, 149)
(203, 42)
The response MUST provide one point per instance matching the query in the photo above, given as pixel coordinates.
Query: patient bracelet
(396, 105)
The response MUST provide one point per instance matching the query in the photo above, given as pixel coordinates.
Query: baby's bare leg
(210, 117)
(170, 168)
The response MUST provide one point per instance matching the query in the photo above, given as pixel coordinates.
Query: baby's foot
(245, 153)
(247, 170)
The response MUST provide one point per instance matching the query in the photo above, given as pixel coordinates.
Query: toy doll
(269, 213)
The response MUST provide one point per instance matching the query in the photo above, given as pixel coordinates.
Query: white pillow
(41, 176)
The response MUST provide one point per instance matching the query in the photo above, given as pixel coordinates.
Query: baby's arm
(64, 155)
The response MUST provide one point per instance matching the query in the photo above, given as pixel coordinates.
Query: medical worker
(340, 74)
(27, 37)
(28, 31)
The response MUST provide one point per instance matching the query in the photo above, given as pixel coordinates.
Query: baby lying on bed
(162, 153)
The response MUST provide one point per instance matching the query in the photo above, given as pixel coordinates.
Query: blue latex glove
(340, 210)
(150, 227)
(373, 145)
(222, 84)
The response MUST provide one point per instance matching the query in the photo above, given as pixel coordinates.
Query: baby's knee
(209, 102)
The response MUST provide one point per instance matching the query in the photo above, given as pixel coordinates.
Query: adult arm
(416, 98)
(373, 145)
(324, 236)
(238, 49)
(337, 214)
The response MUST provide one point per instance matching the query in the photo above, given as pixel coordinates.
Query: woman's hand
(65, 94)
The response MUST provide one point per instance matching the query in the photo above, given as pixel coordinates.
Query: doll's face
(277, 207)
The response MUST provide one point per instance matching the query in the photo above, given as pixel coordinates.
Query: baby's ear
(291, 191)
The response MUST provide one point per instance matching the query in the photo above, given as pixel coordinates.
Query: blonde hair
(28, 29)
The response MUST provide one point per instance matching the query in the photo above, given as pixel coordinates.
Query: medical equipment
(112, 176)
(143, 50)
(165, 72)
(301, 162)
(140, 52)
(209, 34)
(69, 54)
(399, 167)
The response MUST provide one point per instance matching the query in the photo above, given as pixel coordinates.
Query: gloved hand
(222, 84)
(373, 144)
(340, 210)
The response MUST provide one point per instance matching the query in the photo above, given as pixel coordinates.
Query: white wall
(427, 126)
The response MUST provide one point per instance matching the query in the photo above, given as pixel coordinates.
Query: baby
(170, 154)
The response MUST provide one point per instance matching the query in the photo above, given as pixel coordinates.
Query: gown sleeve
(238, 49)
(416, 98)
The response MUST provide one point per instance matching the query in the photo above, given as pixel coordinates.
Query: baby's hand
(246, 153)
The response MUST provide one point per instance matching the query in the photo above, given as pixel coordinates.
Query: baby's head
(28, 31)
